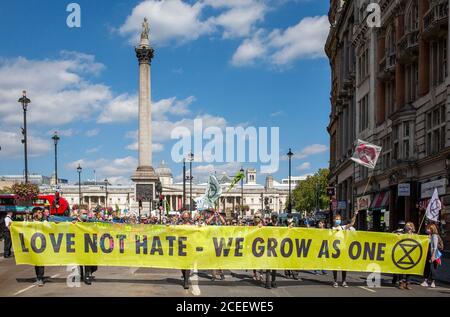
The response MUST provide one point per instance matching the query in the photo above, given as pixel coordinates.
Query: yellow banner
(187, 247)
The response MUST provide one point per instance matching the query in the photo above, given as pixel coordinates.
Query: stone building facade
(122, 197)
(391, 87)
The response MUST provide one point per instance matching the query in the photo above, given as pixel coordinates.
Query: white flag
(434, 206)
(366, 154)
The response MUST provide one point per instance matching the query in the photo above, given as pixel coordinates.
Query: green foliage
(304, 196)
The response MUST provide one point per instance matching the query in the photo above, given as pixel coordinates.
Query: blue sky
(230, 63)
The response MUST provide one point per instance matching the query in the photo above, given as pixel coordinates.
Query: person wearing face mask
(405, 278)
(257, 221)
(88, 269)
(338, 225)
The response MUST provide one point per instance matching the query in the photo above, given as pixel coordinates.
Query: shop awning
(380, 201)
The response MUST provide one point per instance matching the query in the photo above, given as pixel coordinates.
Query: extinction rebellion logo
(406, 254)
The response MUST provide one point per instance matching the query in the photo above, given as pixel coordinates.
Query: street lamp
(25, 101)
(106, 194)
(55, 139)
(184, 185)
(79, 169)
(242, 191)
(290, 154)
(191, 159)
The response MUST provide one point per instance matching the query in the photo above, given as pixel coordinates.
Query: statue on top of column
(145, 29)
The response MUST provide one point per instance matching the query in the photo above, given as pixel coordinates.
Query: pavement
(17, 281)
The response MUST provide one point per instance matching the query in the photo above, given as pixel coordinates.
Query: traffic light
(57, 200)
(161, 200)
(140, 203)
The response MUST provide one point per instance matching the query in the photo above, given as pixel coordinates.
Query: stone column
(399, 68)
(380, 99)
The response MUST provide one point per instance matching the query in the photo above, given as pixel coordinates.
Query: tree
(306, 193)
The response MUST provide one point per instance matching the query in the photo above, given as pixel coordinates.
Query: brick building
(391, 87)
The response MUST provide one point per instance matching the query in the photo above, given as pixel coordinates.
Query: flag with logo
(213, 192)
(236, 179)
(366, 154)
(434, 206)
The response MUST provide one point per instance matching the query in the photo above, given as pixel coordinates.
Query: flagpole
(423, 219)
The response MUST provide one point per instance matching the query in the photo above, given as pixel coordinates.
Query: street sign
(331, 191)
(342, 205)
(404, 190)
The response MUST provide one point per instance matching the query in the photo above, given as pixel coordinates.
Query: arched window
(390, 41)
(412, 17)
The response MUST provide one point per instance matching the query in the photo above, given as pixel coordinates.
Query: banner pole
(423, 219)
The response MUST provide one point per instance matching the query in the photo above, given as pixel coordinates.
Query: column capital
(144, 54)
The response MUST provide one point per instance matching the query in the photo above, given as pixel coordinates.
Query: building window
(438, 61)
(435, 129)
(406, 140)
(389, 97)
(363, 64)
(412, 81)
(364, 113)
(395, 142)
(412, 22)
(386, 152)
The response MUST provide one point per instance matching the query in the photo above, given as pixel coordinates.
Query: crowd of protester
(214, 218)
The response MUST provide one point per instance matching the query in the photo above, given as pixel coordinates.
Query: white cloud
(172, 20)
(306, 39)
(125, 108)
(304, 166)
(281, 47)
(116, 170)
(51, 85)
(180, 22)
(92, 133)
(306, 152)
(240, 18)
(12, 146)
(249, 51)
(94, 149)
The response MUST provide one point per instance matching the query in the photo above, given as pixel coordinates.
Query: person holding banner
(288, 273)
(258, 222)
(88, 270)
(405, 278)
(433, 256)
(216, 219)
(271, 283)
(7, 242)
(185, 221)
(38, 217)
(338, 226)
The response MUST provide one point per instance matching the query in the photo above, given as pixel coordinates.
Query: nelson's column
(145, 178)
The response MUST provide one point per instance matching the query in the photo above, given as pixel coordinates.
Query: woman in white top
(340, 227)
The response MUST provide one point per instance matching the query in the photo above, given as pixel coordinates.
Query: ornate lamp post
(290, 154)
(25, 101)
(79, 169)
(55, 139)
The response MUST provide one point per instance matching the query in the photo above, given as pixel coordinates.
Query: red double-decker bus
(10, 202)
